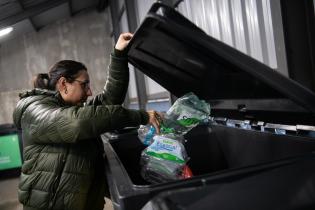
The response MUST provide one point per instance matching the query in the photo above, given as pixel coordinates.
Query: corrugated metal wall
(243, 24)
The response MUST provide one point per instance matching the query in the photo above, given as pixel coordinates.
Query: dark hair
(65, 68)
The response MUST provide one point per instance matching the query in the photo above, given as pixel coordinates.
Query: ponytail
(64, 68)
(41, 81)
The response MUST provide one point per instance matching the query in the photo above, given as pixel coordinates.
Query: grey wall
(84, 37)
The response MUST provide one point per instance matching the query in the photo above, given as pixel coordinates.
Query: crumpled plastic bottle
(146, 133)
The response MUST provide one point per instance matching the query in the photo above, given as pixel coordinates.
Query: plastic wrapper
(186, 113)
(165, 157)
(163, 160)
(186, 173)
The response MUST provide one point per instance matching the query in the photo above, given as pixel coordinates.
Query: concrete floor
(8, 196)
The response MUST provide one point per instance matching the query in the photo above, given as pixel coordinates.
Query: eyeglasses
(84, 84)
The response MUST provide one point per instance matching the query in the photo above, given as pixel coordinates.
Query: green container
(10, 156)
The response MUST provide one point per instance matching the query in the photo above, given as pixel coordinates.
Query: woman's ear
(61, 85)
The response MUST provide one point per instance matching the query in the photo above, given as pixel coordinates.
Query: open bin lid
(182, 58)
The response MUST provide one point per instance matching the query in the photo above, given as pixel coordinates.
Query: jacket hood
(38, 91)
(27, 98)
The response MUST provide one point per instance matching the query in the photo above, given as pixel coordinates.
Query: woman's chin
(82, 102)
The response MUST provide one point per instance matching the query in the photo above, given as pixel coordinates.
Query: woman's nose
(89, 92)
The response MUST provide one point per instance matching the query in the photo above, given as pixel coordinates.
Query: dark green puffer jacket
(63, 154)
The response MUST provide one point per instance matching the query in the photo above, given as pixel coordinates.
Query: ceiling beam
(30, 12)
(71, 8)
(101, 5)
(31, 21)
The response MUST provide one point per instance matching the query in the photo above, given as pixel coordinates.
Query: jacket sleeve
(48, 124)
(116, 85)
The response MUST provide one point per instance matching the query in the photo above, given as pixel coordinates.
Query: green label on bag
(166, 156)
(167, 130)
(184, 122)
(188, 121)
(166, 148)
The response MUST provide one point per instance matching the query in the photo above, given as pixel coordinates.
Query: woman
(63, 154)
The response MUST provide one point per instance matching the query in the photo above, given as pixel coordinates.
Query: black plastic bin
(260, 122)
(264, 190)
(220, 153)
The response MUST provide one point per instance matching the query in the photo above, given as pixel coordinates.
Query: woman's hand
(155, 119)
(123, 41)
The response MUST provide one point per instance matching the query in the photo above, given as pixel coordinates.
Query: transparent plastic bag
(155, 170)
(163, 160)
(186, 113)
